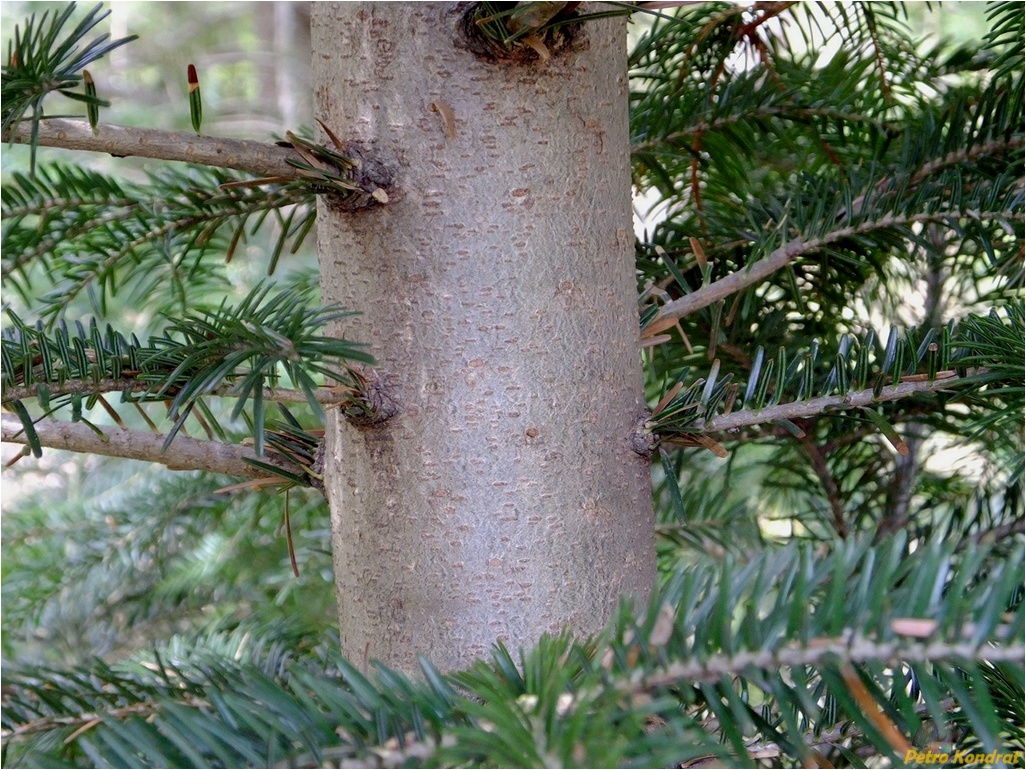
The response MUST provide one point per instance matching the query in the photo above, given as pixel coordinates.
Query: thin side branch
(995, 535)
(796, 410)
(325, 396)
(829, 483)
(264, 160)
(956, 157)
(44, 724)
(953, 158)
(847, 648)
(184, 453)
(783, 256)
(761, 113)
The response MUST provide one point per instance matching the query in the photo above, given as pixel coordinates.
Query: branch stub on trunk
(493, 32)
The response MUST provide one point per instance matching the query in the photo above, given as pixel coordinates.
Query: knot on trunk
(519, 33)
(370, 404)
(642, 440)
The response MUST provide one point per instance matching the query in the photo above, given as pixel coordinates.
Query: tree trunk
(502, 499)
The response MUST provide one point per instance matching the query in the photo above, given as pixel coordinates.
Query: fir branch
(88, 718)
(784, 255)
(327, 396)
(262, 159)
(76, 388)
(37, 65)
(817, 458)
(969, 154)
(1006, 37)
(780, 626)
(960, 156)
(245, 347)
(847, 648)
(94, 233)
(994, 535)
(718, 123)
(796, 410)
(103, 266)
(183, 454)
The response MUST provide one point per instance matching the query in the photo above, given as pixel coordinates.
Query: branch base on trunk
(642, 440)
(369, 402)
(516, 34)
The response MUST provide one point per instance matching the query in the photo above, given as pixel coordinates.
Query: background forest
(743, 120)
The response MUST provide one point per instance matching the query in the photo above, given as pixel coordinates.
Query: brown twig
(784, 255)
(89, 387)
(184, 453)
(260, 158)
(796, 410)
(826, 480)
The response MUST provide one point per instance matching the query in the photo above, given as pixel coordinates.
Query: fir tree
(828, 593)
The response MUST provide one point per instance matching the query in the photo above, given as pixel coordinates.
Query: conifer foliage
(830, 302)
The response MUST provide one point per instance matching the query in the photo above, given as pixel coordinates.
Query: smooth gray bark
(503, 499)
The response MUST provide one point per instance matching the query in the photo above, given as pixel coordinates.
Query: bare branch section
(184, 454)
(265, 160)
(325, 396)
(783, 256)
(796, 410)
